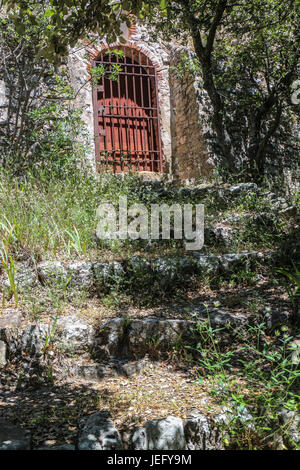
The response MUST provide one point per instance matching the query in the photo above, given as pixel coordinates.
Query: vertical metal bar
(150, 121)
(148, 164)
(160, 161)
(152, 147)
(126, 110)
(119, 110)
(112, 118)
(142, 120)
(134, 78)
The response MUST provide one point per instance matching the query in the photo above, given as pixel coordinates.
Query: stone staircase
(80, 349)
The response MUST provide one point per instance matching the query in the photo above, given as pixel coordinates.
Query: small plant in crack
(48, 343)
(9, 267)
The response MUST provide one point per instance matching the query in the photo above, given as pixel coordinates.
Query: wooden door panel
(127, 118)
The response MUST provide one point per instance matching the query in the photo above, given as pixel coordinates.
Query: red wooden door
(127, 135)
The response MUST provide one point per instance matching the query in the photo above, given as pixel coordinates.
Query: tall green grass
(51, 218)
(56, 218)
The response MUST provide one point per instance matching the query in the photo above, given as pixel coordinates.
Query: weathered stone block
(74, 334)
(25, 277)
(108, 274)
(110, 339)
(160, 434)
(51, 272)
(149, 333)
(98, 432)
(81, 274)
(3, 352)
(201, 433)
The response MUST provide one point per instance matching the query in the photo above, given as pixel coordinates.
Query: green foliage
(188, 64)
(43, 131)
(101, 70)
(211, 359)
(65, 22)
(75, 243)
(292, 285)
(246, 57)
(256, 374)
(8, 265)
(48, 342)
(11, 233)
(56, 136)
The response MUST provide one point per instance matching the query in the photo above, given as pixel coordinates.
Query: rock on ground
(32, 340)
(75, 334)
(98, 432)
(25, 277)
(62, 446)
(201, 433)
(160, 434)
(291, 422)
(106, 274)
(12, 437)
(51, 272)
(10, 319)
(2, 354)
(206, 264)
(110, 338)
(81, 274)
(159, 333)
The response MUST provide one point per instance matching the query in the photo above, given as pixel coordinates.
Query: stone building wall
(183, 146)
(191, 158)
(184, 150)
(77, 67)
(138, 38)
(189, 145)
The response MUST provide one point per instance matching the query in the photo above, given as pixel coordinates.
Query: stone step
(89, 370)
(159, 188)
(116, 342)
(87, 275)
(97, 431)
(218, 230)
(199, 431)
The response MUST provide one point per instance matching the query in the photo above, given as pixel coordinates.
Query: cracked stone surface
(160, 434)
(98, 432)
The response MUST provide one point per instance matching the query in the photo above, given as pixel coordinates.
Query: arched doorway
(126, 113)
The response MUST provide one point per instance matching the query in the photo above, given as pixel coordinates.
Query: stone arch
(126, 114)
(79, 63)
(146, 53)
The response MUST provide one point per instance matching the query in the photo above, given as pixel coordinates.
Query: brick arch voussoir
(94, 53)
